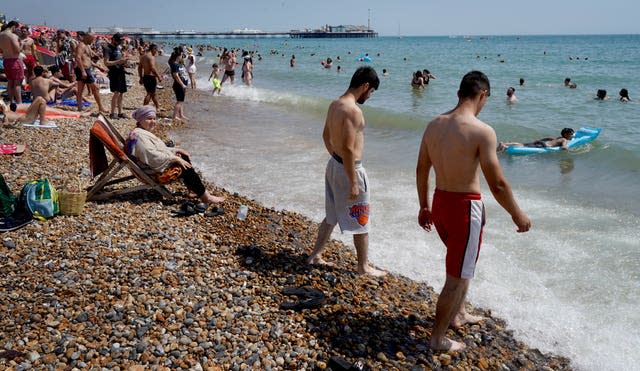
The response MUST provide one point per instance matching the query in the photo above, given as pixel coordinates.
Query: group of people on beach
(456, 145)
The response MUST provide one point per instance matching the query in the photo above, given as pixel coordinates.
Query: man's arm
(497, 182)
(140, 69)
(423, 168)
(352, 124)
(326, 136)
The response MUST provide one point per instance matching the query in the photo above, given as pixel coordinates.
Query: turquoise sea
(572, 284)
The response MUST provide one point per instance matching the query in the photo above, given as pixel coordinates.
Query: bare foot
(184, 118)
(370, 270)
(465, 318)
(213, 199)
(447, 345)
(319, 261)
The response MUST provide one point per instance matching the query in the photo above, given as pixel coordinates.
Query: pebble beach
(126, 285)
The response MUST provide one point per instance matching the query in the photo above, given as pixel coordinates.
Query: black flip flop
(308, 298)
(187, 208)
(215, 211)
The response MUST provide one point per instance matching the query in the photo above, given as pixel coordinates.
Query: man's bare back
(454, 142)
(41, 87)
(148, 64)
(345, 127)
(9, 44)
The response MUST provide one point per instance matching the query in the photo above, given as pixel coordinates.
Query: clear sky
(388, 17)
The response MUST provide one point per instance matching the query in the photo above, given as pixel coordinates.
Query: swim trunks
(229, 72)
(90, 79)
(216, 83)
(536, 144)
(351, 215)
(117, 81)
(30, 61)
(14, 69)
(179, 92)
(150, 83)
(459, 218)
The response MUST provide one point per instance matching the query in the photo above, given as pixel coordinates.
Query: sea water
(569, 286)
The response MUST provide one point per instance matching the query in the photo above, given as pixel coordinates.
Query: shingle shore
(126, 285)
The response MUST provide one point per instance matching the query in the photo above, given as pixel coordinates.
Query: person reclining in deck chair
(155, 157)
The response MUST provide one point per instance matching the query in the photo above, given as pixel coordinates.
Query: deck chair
(104, 135)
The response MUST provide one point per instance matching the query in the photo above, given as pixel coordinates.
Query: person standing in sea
(346, 183)
(456, 144)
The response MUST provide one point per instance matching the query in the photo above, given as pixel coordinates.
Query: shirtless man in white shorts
(346, 184)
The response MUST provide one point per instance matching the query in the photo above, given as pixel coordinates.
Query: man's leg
(120, 96)
(324, 232)
(361, 241)
(449, 302)
(79, 92)
(114, 102)
(155, 101)
(146, 100)
(96, 95)
(16, 87)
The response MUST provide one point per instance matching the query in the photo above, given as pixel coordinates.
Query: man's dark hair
(363, 75)
(53, 69)
(9, 25)
(38, 70)
(566, 131)
(473, 83)
(152, 47)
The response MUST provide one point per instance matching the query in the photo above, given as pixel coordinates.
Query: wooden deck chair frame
(116, 146)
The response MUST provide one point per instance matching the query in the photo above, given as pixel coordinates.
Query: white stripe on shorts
(476, 215)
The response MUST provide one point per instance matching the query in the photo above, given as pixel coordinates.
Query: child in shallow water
(217, 85)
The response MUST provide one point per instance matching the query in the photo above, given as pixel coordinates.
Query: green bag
(41, 198)
(7, 199)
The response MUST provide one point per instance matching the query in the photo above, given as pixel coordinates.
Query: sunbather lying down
(37, 113)
(155, 157)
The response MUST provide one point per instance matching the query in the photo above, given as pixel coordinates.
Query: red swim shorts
(30, 62)
(459, 218)
(14, 69)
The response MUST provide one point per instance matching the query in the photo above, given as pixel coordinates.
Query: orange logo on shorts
(360, 212)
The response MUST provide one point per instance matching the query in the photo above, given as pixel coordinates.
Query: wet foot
(446, 345)
(463, 319)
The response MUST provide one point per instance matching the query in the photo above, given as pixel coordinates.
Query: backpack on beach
(41, 198)
(7, 199)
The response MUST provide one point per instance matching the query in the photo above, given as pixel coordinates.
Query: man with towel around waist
(346, 184)
(457, 145)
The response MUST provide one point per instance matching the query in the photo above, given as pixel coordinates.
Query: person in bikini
(565, 136)
(34, 113)
(457, 145)
(346, 184)
(148, 74)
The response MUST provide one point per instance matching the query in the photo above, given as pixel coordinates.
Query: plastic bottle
(242, 212)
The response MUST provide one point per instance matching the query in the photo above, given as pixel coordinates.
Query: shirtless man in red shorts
(457, 145)
(28, 47)
(13, 67)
